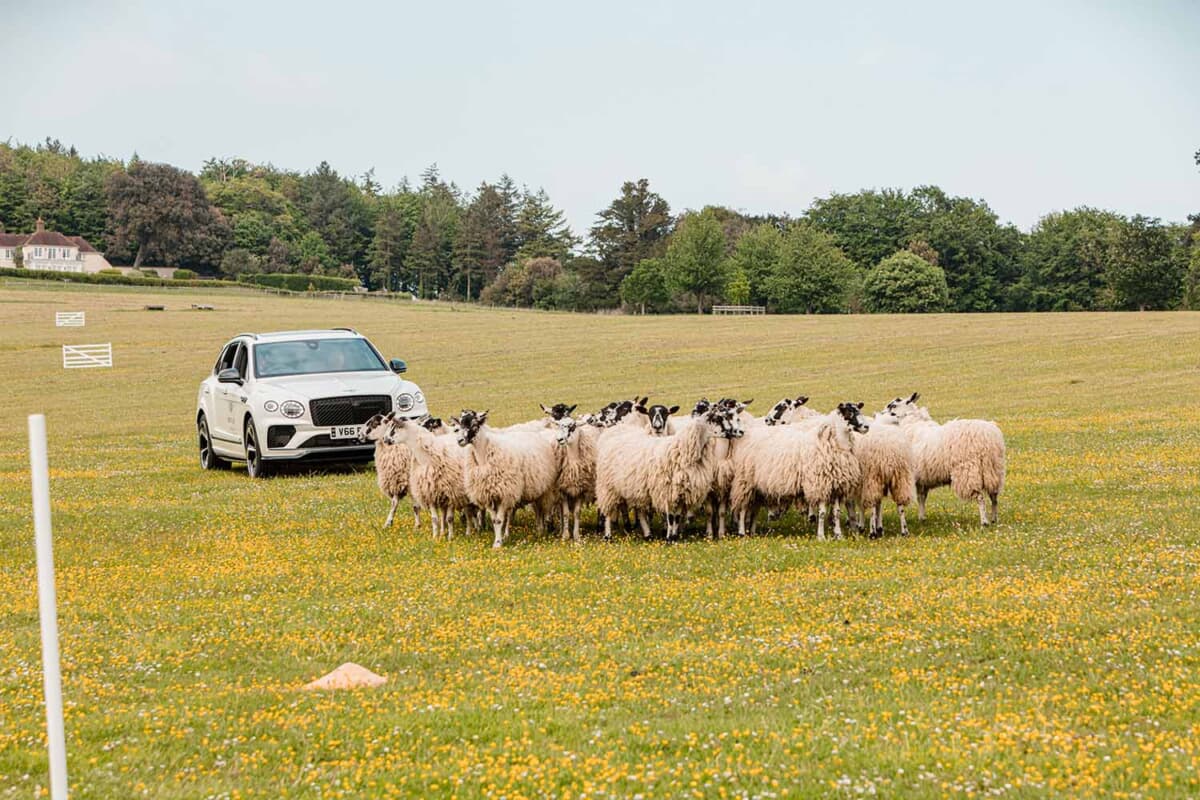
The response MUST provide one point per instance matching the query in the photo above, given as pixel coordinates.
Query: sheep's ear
(641, 410)
(801, 400)
(546, 410)
(571, 410)
(859, 405)
(482, 417)
(643, 401)
(672, 409)
(914, 397)
(748, 402)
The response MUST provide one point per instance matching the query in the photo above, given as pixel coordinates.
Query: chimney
(41, 226)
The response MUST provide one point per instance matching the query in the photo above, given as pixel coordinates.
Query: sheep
(968, 455)
(555, 413)
(789, 409)
(392, 464)
(888, 467)
(723, 447)
(669, 474)
(576, 471)
(832, 472)
(657, 418)
(622, 480)
(436, 477)
(814, 462)
(767, 467)
(506, 470)
(695, 478)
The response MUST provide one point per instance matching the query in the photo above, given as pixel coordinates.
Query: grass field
(1056, 655)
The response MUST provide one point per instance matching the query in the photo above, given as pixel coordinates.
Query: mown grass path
(1054, 656)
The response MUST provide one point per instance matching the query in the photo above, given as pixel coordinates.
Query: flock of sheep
(720, 460)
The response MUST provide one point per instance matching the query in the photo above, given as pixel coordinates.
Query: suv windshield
(311, 356)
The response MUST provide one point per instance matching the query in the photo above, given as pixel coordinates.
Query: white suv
(296, 395)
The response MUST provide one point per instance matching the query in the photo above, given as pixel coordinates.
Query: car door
(237, 396)
(226, 436)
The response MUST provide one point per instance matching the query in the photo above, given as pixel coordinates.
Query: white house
(50, 250)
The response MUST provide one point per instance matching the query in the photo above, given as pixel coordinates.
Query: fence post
(39, 468)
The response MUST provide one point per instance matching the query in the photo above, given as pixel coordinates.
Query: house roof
(13, 239)
(84, 245)
(50, 238)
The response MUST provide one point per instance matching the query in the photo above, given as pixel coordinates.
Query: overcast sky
(1032, 106)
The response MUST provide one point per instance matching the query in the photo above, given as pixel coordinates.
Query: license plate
(345, 431)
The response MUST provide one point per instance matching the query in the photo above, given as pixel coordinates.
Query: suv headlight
(291, 409)
(420, 396)
(404, 402)
(270, 406)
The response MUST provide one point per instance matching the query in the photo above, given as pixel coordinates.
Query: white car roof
(283, 336)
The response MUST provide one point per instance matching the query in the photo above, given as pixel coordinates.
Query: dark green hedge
(122, 280)
(301, 283)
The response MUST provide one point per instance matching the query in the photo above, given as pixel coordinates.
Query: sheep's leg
(722, 512)
(754, 517)
(741, 520)
(387, 523)
(416, 517)
(983, 511)
(448, 522)
(877, 519)
(566, 519)
(467, 521)
(821, 521)
(607, 527)
(644, 522)
(575, 514)
(498, 522)
(995, 508)
(837, 519)
(712, 513)
(903, 521)
(922, 493)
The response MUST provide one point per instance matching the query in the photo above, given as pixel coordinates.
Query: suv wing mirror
(398, 366)
(229, 375)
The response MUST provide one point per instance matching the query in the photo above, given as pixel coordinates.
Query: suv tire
(256, 467)
(208, 458)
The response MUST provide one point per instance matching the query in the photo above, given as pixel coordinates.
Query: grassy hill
(1054, 655)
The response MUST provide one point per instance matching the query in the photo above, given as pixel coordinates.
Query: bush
(905, 283)
(301, 283)
(107, 280)
(184, 275)
(811, 274)
(149, 273)
(110, 272)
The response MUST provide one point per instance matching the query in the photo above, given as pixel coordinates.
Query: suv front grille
(348, 410)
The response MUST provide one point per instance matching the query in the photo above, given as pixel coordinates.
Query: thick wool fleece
(968, 455)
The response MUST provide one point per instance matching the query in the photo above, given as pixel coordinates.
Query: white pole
(39, 465)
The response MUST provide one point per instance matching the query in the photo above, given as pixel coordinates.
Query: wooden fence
(739, 309)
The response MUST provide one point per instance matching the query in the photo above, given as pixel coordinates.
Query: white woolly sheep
(576, 471)
(888, 468)
(436, 476)
(506, 470)
(813, 462)
(968, 455)
(392, 465)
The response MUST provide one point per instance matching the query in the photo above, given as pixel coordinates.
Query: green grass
(1053, 656)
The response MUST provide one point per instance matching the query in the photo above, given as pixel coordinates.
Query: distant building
(50, 250)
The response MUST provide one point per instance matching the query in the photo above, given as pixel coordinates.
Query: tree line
(502, 243)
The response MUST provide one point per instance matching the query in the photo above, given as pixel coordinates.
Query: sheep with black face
(506, 469)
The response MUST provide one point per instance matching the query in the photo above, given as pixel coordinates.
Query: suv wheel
(208, 459)
(255, 466)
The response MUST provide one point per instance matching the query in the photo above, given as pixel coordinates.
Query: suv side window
(239, 361)
(226, 359)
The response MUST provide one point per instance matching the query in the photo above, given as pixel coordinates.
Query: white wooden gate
(78, 356)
